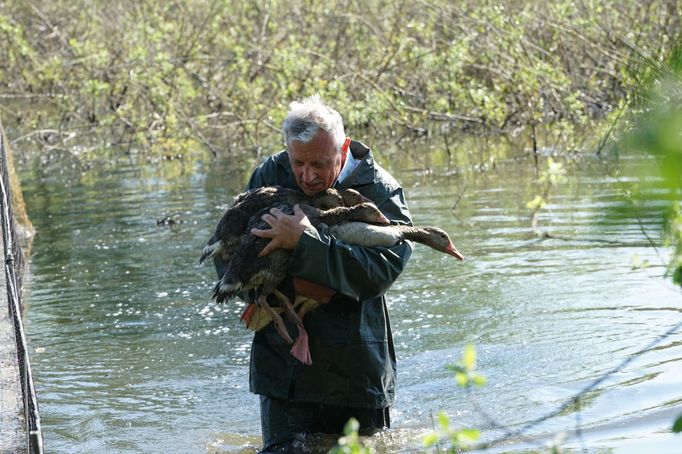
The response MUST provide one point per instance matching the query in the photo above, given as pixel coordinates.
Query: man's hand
(286, 229)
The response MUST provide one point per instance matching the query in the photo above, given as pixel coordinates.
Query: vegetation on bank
(163, 77)
(655, 131)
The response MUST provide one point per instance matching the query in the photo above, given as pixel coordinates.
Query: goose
(246, 270)
(231, 226)
(363, 234)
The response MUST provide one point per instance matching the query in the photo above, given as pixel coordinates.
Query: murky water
(132, 356)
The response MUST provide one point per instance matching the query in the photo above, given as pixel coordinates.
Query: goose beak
(452, 250)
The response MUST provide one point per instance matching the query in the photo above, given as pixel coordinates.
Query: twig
(459, 197)
(651, 242)
(536, 211)
(579, 425)
(36, 132)
(517, 433)
(440, 116)
(52, 27)
(198, 134)
(602, 142)
(31, 95)
(433, 427)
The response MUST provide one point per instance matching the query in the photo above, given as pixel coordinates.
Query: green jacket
(350, 338)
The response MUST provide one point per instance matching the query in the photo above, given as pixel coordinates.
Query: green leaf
(351, 427)
(468, 435)
(677, 275)
(638, 263)
(430, 439)
(462, 379)
(443, 420)
(677, 426)
(469, 358)
(479, 380)
(537, 203)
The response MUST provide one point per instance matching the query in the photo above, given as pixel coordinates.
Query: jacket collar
(363, 174)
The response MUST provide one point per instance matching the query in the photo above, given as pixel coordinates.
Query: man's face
(316, 164)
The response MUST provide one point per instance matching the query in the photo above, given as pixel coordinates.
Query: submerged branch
(575, 399)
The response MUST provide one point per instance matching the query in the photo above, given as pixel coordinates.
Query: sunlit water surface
(131, 355)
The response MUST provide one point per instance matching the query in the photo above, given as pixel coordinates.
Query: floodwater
(131, 356)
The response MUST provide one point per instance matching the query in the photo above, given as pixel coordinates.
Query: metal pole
(34, 437)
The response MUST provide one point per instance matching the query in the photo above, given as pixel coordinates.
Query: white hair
(307, 117)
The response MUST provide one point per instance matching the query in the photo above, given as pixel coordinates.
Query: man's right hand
(285, 229)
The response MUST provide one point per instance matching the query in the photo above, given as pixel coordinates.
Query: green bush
(163, 76)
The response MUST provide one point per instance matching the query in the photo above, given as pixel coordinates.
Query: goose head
(439, 240)
(351, 197)
(327, 199)
(367, 212)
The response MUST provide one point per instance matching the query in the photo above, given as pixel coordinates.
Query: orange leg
(276, 319)
(300, 349)
(288, 308)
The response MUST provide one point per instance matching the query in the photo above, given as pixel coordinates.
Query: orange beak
(452, 250)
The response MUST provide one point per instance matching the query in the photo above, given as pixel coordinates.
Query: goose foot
(276, 319)
(247, 315)
(288, 308)
(300, 350)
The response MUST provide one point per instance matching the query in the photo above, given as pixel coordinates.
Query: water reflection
(137, 359)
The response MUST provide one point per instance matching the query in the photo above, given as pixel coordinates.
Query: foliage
(466, 377)
(656, 133)
(677, 426)
(350, 442)
(465, 370)
(164, 76)
(457, 438)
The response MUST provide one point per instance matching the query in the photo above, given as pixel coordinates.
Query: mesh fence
(14, 263)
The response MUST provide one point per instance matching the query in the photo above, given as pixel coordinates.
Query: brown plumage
(246, 270)
(233, 223)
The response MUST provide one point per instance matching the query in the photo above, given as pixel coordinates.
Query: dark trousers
(282, 420)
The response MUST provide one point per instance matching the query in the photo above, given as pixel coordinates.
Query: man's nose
(308, 174)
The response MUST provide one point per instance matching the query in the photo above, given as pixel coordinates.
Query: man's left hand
(285, 229)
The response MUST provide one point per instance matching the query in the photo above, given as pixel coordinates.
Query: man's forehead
(310, 152)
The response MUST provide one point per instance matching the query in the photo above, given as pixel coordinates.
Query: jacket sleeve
(356, 271)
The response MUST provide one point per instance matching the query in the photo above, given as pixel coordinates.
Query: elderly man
(353, 367)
